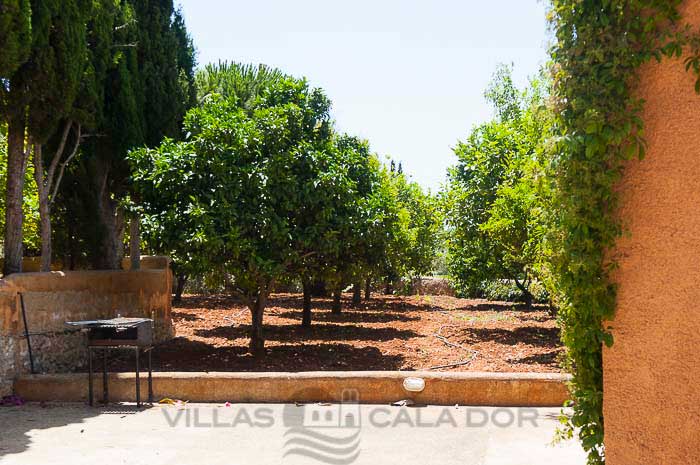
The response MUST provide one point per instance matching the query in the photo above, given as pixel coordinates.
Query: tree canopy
(494, 204)
(231, 188)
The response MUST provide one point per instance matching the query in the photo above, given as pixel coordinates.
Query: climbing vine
(598, 48)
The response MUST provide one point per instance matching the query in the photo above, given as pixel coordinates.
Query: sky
(407, 75)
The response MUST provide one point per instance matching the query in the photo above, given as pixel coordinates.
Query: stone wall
(432, 286)
(51, 299)
(652, 372)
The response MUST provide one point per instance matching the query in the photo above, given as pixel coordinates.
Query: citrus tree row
(264, 190)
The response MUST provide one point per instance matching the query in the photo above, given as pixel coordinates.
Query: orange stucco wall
(652, 372)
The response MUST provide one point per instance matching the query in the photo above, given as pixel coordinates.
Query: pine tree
(54, 73)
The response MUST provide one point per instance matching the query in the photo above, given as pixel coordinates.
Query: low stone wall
(148, 262)
(372, 387)
(433, 286)
(51, 299)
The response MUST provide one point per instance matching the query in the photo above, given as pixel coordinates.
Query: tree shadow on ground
(547, 358)
(500, 307)
(317, 332)
(181, 354)
(391, 303)
(386, 303)
(355, 316)
(185, 316)
(538, 318)
(19, 421)
(530, 335)
(211, 302)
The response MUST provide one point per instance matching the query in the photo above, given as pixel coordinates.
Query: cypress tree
(38, 93)
(121, 123)
(95, 184)
(158, 69)
(186, 64)
(15, 37)
(52, 77)
(141, 99)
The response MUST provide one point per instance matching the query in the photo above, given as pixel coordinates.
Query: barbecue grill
(118, 333)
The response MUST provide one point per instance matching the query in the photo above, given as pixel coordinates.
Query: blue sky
(407, 75)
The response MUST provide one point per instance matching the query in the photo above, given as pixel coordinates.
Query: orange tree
(330, 230)
(228, 197)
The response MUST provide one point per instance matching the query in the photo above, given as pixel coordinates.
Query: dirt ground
(384, 333)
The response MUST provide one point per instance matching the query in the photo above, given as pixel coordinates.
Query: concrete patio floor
(215, 434)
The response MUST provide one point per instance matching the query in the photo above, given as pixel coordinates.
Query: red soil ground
(384, 333)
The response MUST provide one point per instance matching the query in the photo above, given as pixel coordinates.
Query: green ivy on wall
(599, 46)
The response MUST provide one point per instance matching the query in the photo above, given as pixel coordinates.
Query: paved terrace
(281, 434)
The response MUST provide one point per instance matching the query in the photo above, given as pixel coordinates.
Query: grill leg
(150, 376)
(138, 381)
(105, 384)
(90, 395)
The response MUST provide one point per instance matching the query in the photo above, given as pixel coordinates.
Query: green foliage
(51, 75)
(263, 191)
(343, 230)
(186, 62)
(394, 228)
(507, 290)
(415, 234)
(39, 90)
(242, 82)
(598, 49)
(15, 35)
(228, 197)
(493, 206)
(336, 229)
(159, 91)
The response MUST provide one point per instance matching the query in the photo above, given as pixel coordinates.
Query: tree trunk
(47, 187)
(46, 247)
(416, 285)
(135, 243)
(16, 167)
(44, 209)
(181, 281)
(257, 340)
(526, 293)
(368, 289)
(388, 287)
(306, 310)
(356, 294)
(337, 302)
(112, 225)
(318, 289)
